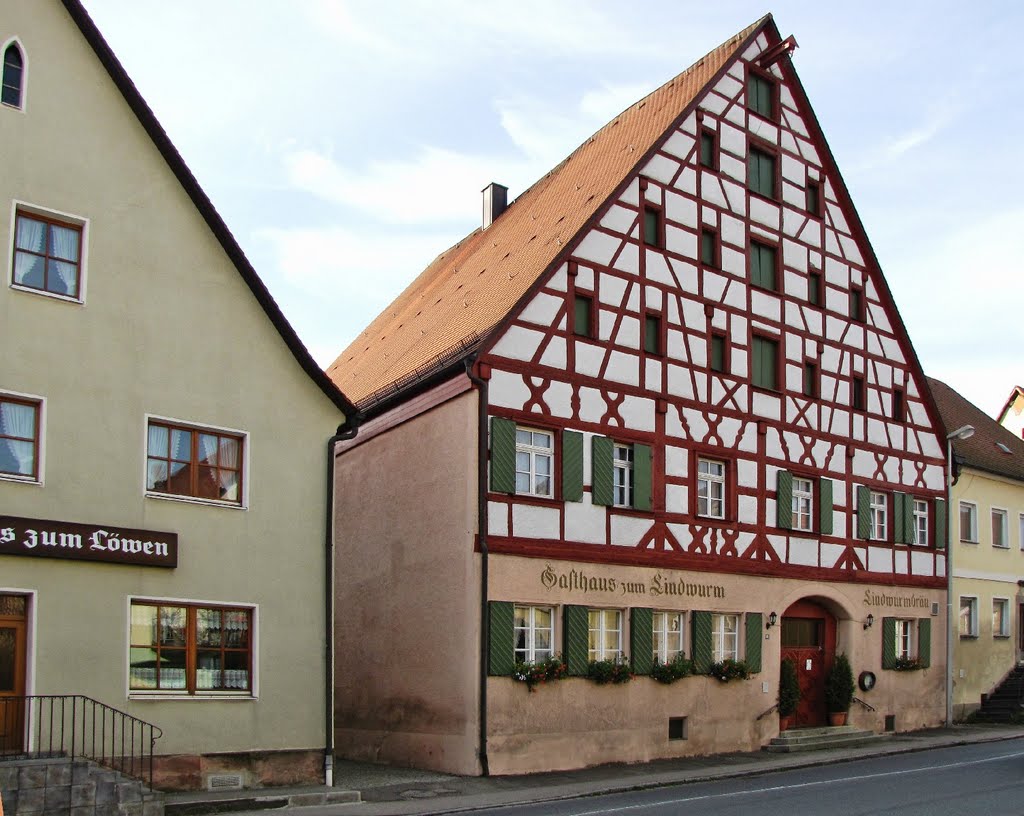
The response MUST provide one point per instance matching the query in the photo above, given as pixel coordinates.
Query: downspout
(481, 513)
(346, 430)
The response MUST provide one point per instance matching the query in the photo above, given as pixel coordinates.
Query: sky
(346, 142)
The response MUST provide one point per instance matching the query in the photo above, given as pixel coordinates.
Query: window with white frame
(622, 475)
(968, 616)
(969, 522)
(921, 522)
(1000, 529)
(725, 638)
(668, 636)
(803, 503)
(48, 254)
(879, 516)
(534, 628)
(20, 437)
(905, 645)
(710, 488)
(194, 462)
(1000, 617)
(1021, 531)
(534, 462)
(605, 636)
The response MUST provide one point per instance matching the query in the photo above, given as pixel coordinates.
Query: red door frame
(812, 663)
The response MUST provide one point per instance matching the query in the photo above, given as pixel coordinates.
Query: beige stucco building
(1012, 414)
(163, 435)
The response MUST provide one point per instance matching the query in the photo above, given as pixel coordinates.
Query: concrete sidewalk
(363, 789)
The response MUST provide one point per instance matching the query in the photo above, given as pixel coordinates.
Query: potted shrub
(839, 689)
(789, 693)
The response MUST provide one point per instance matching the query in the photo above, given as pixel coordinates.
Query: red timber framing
(543, 374)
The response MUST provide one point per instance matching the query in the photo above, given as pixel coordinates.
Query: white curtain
(19, 421)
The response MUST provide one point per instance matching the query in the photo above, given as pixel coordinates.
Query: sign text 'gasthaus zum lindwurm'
(659, 584)
(87, 542)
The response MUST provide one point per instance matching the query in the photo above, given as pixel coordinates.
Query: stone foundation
(257, 769)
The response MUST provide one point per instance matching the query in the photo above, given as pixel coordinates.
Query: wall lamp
(869, 622)
(772, 620)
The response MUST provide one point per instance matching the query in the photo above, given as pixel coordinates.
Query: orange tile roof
(468, 289)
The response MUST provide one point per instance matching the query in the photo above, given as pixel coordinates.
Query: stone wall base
(244, 769)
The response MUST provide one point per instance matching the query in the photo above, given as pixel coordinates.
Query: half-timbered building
(660, 405)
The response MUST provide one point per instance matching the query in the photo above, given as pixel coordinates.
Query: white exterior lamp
(965, 432)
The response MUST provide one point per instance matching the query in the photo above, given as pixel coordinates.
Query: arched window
(14, 66)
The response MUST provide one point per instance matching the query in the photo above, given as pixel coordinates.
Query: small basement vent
(224, 782)
(935, 608)
(890, 722)
(677, 728)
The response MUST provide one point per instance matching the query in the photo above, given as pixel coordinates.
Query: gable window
(653, 226)
(13, 76)
(717, 357)
(711, 486)
(969, 522)
(1000, 529)
(765, 363)
(857, 304)
(583, 315)
(814, 198)
(604, 640)
(19, 437)
(968, 616)
(814, 288)
(1000, 617)
(534, 633)
(762, 265)
(725, 637)
(622, 474)
(810, 382)
(667, 628)
(709, 247)
(534, 462)
(652, 334)
(190, 648)
(920, 522)
(802, 503)
(708, 149)
(858, 399)
(191, 462)
(47, 254)
(898, 405)
(761, 95)
(761, 172)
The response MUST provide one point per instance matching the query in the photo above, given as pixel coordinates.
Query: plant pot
(785, 722)
(837, 718)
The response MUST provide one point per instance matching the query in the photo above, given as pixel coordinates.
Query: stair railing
(77, 727)
(866, 705)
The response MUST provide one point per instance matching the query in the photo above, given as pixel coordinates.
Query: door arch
(808, 635)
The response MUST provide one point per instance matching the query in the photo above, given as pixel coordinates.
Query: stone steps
(1004, 705)
(818, 739)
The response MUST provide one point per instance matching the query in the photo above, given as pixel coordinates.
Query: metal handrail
(868, 706)
(77, 727)
(764, 714)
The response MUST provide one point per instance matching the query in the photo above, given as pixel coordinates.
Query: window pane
(650, 227)
(181, 445)
(172, 625)
(581, 316)
(62, 278)
(171, 670)
(156, 475)
(159, 439)
(143, 625)
(64, 243)
(208, 670)
(28, 269)
(30, 235)
(208, 627)
(236, 671)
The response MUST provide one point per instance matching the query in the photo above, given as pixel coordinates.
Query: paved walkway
(387, 791)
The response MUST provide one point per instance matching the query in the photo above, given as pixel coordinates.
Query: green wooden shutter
(503, 455)
(641, 639)
(825, 506)
(863, 512)
(601, 470)
(572, 466)
(898, 500)
(753, 644)
(703, 651)
(641, 477)
(576, 637)
(784, 500)
(941, 524)
(501, 630)
(908, 519)
(924, 642)
(888, 643)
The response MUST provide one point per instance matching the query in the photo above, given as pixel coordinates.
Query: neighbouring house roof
(1015, 394)
(202, 202)
(469, 289)
(993, 448)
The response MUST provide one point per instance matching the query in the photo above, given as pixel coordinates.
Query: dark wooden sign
(87, 542)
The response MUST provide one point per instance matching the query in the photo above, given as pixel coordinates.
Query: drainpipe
(481, 512)
(346, 430)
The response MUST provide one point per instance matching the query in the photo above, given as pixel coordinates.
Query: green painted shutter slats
(903, 518)
(576, 635)
(702, 646)
(924, 642)
(601, 470)
(753, 644)
(825, 506)
(641, 639)
(572, 466)
(941, 520)
(888, 643)
(641, 477)
(863, 512)
(503, 455)
(501, 653)
(784, 500)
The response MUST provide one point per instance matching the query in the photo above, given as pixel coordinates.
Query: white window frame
(530, 652)
(668, 643)
(906, 638)
(879, 511)
(725, 643)
(40, 476)
(1003, 516)
(242, 504)
(921, 522)
(535, 453)
(1021, 530)
(23, 107)
(1001, 629)
(607, 622)
(83, 250)
(969, 536)
(803, 504)
(969, 603)
(707, 483)
(622, 475)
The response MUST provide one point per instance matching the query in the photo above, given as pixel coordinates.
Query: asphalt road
(985, 779)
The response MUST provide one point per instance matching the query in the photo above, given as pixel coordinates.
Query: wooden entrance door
(12, 673)
(809, 640)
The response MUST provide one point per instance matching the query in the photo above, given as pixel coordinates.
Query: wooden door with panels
(809, 640)
(13, 618)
